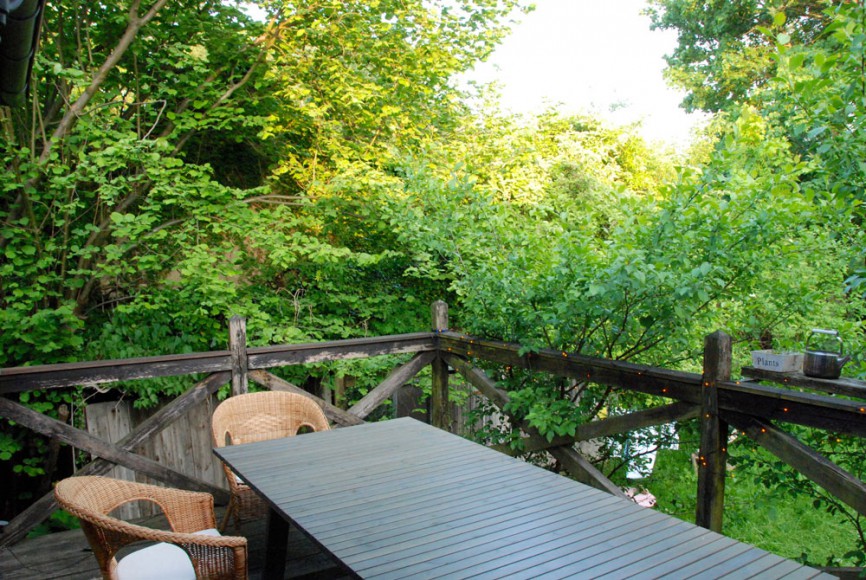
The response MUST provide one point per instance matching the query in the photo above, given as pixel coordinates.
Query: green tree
(98, 194)
(190, 156)
(722, 56)
(818, 94)
(587, 265)
(816, 102)
(181, 162)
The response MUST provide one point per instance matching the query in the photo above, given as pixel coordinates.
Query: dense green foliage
(806, 80)
(181, 163)
(320, 173)
(723, 58)
(755, 513)
(222, 165)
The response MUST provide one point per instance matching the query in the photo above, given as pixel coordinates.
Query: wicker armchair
(193, 549)
(258, 417)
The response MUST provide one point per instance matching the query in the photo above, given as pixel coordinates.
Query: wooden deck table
(401, 499)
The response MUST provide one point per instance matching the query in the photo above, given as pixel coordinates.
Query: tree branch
(72, 114)
(268, 39)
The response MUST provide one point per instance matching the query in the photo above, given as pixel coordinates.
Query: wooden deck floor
(67, 555)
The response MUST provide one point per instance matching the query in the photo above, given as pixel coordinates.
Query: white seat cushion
(159, 562)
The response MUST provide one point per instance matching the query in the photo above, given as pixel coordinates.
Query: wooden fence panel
(111, 421)
(185, 445)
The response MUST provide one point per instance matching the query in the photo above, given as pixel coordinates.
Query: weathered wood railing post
(439, 412)
(713, 454)
(238, 348)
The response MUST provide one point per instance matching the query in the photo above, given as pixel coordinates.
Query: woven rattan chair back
(92, 498)
(267, 415)
(255, 417)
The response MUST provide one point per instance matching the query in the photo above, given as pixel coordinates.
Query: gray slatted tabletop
(400, 499)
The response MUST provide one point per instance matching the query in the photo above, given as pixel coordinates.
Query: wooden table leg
(277, 546)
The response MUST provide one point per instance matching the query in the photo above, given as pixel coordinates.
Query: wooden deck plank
(592, 553)
(805, 573)
(397, 550)
(406, 510)
(444, 523)
(781, 570)
(732, 564)
(761, 567)
(678, 544)
(58, 555)
(399, 484)
(701, 560)
(471, 562)
(592, 529)
(441, 502)
(690, 550)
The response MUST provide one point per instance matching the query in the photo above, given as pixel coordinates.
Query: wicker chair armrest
(128, 532)
(186, 511)
(231, 478)
(181, 538)
(213, 557)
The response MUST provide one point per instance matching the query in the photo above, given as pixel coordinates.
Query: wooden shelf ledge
(841, 386)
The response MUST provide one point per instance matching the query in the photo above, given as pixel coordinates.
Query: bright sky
(591, 56)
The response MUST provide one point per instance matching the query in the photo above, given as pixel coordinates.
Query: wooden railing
(236, 366)
(712, 398)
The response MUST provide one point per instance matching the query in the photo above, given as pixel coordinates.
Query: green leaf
(796, 61)
(815, 132)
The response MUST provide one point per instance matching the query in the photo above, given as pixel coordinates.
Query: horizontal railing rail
(89, 373)
(809, 409)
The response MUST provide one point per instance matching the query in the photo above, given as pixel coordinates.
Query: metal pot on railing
(824, 357)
